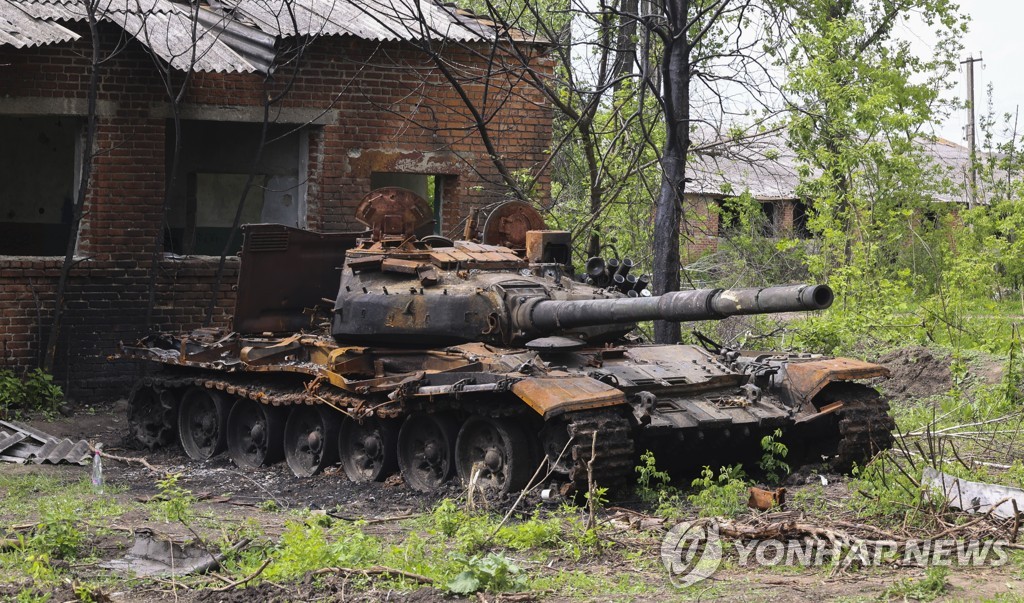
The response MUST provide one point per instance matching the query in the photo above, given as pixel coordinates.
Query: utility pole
(972, 197)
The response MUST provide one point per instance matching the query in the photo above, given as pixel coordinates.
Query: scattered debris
(155, 554)
(974, 497)
(21, 444)
(628, 519)
(766, 500)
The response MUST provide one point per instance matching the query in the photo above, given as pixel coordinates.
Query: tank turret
(397, 289)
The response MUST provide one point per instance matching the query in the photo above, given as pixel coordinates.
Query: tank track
(614, 449)
(865, 427)
(153, 432)
(614, 462)
(258, 392)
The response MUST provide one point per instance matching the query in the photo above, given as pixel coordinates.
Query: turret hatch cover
(554, 342)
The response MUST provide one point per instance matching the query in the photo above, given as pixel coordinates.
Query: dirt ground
(235, 495)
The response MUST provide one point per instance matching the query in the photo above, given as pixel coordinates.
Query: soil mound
(917, 372)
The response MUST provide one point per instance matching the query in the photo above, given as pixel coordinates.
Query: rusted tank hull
(689, 406)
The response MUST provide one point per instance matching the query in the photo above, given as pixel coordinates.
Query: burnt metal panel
(285, 272)
(552, 396)
(806, 379)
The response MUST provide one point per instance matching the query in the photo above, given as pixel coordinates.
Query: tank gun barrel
(545, 315)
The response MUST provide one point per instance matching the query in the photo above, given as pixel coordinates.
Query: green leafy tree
(863, 101)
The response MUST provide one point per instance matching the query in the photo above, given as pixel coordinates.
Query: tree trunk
(49, 359)
(625, 49)
(675, 67)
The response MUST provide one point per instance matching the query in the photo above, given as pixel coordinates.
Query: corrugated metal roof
(168, 28)
(381, 20)
(182, 40)
(239, 35)
(767, 167)
(21, 30)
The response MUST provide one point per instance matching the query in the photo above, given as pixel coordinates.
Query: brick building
(767, 169)
(358, 104)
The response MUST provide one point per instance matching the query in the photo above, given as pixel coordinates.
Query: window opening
(768, 219)
(214, 164)
(38, 160)
(800, 229)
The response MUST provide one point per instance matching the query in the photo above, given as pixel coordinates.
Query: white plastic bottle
(97, 469)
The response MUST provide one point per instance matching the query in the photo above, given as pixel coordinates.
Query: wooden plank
(459, 256)
(401, 266)
(366, 263)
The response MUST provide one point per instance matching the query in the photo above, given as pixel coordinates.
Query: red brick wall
(395, 113)
(700, 227)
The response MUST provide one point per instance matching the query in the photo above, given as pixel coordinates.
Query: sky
(995, 35)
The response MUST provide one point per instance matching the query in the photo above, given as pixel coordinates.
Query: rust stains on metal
(508, 224)
(304, 266)
(765, 500)
(552, 396)
(806, 379)
(395, 211)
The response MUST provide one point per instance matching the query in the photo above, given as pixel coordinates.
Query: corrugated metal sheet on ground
(20, 443)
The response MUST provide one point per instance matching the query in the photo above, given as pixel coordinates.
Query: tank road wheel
(254, 433)
(496, 450)
(368, 450)
(309, 437)
(202, 423)
(151, 419)
(426, 450)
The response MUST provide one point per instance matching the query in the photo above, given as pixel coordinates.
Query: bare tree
(92, 16)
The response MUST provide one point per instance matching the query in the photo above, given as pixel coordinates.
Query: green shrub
(724, 495)
(491, 572)
(174, 503)
(772, 463)
(35, 392)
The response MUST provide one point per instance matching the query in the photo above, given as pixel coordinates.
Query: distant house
(768, 169)
(361, 106)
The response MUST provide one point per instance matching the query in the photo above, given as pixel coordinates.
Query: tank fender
(553, 395)
(801, 381)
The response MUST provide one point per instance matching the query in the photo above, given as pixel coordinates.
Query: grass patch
(928, 588)
(62, 520)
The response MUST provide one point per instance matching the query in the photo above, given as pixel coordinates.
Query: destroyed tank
(393, 350)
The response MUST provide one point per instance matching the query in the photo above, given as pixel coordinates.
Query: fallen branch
(215, 560)
(127, 460)
(591, 490)
(245, 580)
(377, 570)
(378, 519)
